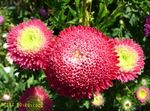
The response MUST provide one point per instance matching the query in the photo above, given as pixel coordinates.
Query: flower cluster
(80, 61)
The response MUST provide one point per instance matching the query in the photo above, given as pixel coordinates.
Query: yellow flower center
(77, 54)
(142, 94)
(128, 57)
(31, 39)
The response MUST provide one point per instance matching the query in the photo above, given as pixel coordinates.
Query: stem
(87, 6)
(84, 12)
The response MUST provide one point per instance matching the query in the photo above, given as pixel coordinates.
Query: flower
(29, 44)
(142, 94)
(98, 100)
(147, 26)
(35, 99)
(83, 62)
(6, 97)
(127, 104)
(43, 12)
(131, 59)
(1, 20)
(145, 81)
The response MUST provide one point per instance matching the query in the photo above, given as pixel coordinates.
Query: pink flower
(29, 44)
(83, 63)
(35, 99)
(142, 94)
(131, 59)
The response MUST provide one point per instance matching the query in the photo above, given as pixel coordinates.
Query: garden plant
(74, 55)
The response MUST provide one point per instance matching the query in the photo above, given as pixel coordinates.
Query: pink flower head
(83, 62)
(29, 44)
(131, 59)
(142, 94)
(35, 99)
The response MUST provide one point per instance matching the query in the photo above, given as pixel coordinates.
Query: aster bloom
(83, 62)
(142, 94)
(29, 44)
(1, 20)
(147, 26)
(35, 99)
(131, 59)
(98, 100)
(126, 104)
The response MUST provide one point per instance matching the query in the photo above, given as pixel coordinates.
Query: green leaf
(103, 12)
(3, 74)
(86, 104)
(73, 12)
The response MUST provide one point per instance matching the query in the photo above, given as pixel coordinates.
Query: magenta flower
(147, 26)
(83, 63)
(35, 99)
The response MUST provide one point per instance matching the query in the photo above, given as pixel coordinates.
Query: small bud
(98, 100)
(43, 12)
(6, 97)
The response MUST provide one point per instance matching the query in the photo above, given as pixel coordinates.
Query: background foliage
(115, 18)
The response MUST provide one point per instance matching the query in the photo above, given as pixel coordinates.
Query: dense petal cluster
(35, 99)
(29, 44)
(83, 62)
(131, 59)
(142, 94)
(147, 26)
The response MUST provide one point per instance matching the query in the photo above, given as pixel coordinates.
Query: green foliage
(115, 18)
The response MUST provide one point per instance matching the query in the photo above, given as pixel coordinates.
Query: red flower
(83, 63)
(131, 59)
(29, 44)
(35, 99)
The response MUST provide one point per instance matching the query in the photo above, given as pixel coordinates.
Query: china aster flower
(98, 100)
(127, 104)
(35, 99)
(29, 44)
(1, 20)
(147, 26)
(131, 59)
(142, 94)
(83, 62)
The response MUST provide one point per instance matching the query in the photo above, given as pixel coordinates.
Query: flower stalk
(87, 6)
